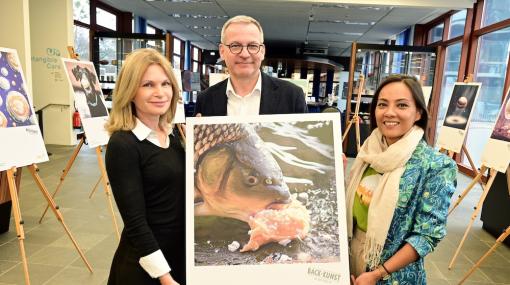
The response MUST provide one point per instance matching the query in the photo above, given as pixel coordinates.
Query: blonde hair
(122, 115)
(241, 19)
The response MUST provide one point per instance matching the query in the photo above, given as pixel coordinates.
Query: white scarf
(390, 161)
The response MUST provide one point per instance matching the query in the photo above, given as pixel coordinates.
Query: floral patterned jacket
(426, 187)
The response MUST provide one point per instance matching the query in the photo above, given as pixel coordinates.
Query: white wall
(51, 24)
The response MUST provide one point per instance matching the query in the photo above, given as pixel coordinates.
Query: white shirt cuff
(155, 264)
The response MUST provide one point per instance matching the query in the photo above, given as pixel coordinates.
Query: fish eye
(252, 180)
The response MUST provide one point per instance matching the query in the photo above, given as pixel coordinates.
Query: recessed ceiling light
(352, 34)
(183, 1)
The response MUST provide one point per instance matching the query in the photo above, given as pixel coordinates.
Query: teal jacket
(426, 187)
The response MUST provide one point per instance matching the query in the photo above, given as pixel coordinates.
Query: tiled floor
(53, 259)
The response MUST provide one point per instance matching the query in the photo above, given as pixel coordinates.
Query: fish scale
(208, 136)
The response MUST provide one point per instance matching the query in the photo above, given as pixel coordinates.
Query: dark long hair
(415, 88)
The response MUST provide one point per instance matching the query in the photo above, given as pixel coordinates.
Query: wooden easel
(18, 221)
(477, 209)
(499, 241)
(355, 118)
(104, 176)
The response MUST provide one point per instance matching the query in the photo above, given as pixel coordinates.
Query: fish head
(239, 179)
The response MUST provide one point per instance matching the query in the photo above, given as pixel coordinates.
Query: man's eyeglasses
(237, 48)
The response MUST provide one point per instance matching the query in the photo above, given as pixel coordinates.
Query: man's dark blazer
(277, 97)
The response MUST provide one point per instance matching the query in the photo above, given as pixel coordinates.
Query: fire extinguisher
(76, 119)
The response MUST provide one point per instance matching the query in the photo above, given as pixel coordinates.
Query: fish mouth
(279, 205)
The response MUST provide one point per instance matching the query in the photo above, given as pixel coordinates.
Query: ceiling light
(183, 1)
(352, 34)
(175, 15)
(346, 22)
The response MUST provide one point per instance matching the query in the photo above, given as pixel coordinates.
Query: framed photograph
(458, 115)
(22, 142)
(496, 154)
(88, 100)
(268, 200)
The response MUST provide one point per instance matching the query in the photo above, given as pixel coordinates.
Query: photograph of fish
(461, 105)
(502, 127)
(266, 193)
(15, 110)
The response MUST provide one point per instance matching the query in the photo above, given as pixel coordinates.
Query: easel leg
(347, 130)
(64, 174)
(106, 186)
(33, 170)
(473, 217)
(95, 187)
(358, 139)
(468, 188)
(466, 152)
(18, 221)
(499, 241)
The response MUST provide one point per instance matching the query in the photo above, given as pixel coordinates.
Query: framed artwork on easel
(88, 100)
(22, 142)
(458, 115)
(496, 154)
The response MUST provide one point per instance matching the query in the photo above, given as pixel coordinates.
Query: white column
(51, 30)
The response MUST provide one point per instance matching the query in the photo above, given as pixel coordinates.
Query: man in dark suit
(247, 91)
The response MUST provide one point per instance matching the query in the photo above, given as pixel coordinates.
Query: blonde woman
(145, 165)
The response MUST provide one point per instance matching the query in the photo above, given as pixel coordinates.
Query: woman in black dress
(145, 165)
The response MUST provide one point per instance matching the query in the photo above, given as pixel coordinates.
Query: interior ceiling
(298, 23)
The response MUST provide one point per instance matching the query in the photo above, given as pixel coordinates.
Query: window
(495, 11)
(177, 46)
(106, 19)
(450, 75)
(81, 42)
(195, 59)
(457, 23)
(150, 30)
(490, 70)
(81, 11)
(435, 34)
(176, 62)
(176, 59)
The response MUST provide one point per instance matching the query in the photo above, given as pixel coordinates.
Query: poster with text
(454, 128)
(496, 154)
(22, 143)
(88, 100)
(268, 200)
(180, 116)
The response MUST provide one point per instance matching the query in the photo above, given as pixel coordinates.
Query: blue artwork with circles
(15, 110)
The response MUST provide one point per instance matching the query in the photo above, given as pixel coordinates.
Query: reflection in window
(457, 23)
(451, 69)
(106, 19)
(81, 42)
(436, 34)
(495, 11)
(490, 70)
(81, 11)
